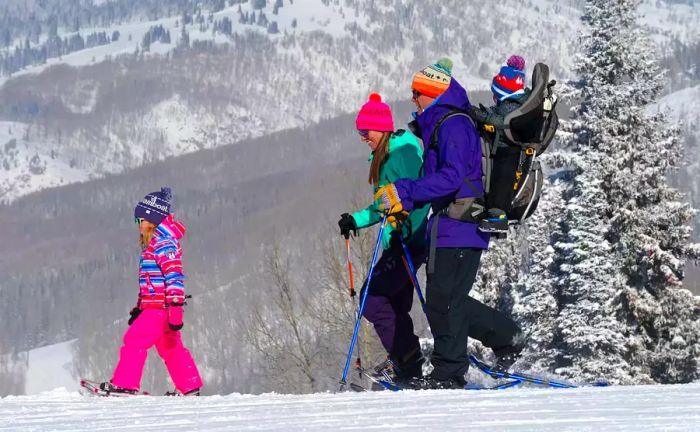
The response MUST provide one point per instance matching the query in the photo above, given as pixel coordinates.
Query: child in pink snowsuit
(157, 318)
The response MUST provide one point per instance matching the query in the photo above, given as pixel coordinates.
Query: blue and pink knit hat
(510, 81)
(155, 206)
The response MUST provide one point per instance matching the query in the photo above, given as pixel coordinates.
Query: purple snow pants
(390, 299)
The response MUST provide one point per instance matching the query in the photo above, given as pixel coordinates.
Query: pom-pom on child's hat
(155, 206)
(433, 80)
(375, 115)
(510, 80)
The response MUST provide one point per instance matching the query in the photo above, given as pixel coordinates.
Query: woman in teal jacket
(395, 155)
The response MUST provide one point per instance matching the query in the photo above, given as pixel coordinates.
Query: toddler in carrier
(509, 92)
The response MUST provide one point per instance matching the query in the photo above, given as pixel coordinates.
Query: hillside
(205, 76)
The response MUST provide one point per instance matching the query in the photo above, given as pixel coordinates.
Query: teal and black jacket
(404, 160)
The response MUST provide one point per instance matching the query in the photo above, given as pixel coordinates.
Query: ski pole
(353, 295)
(358, 320)
(408, 263)
(352, 280)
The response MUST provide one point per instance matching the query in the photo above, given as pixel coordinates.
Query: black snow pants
(454, 316)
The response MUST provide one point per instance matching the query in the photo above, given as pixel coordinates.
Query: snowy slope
(50, 367)
(668, 21)
(683, 107)
(27, 165)
(639, 408)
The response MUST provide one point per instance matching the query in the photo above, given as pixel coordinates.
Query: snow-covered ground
(638, 408)
(50, 367)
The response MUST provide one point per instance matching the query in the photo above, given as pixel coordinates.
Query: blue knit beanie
(155, 206)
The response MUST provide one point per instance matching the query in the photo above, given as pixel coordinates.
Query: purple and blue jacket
(444, 180)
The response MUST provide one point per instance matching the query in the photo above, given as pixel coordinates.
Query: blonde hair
(146, 236)
(380, 155)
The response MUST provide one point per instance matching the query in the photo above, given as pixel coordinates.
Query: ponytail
(380, 155)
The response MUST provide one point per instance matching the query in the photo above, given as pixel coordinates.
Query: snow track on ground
(638, 408)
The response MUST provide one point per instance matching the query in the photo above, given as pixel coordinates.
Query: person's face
(372, 138)
(144, 225)
(421, 101)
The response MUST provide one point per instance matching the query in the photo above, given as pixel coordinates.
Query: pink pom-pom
(516, 62)
(375, 97)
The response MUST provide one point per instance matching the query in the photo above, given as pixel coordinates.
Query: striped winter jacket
(161, 280)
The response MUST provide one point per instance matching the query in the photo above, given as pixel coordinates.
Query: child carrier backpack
(530, 130)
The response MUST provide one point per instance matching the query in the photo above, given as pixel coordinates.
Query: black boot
(410, 366)
(508, 355)
(194, 392)
(431, 382)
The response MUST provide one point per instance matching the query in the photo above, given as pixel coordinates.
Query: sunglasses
(138, 221)
(363, 133)
(415, 94)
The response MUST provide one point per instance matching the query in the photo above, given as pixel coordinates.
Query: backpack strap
(467, 209)
(485, 167)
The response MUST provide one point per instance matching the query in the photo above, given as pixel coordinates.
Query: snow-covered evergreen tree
(500, 267)
(626, 233)
(588, 338)
(535, 306)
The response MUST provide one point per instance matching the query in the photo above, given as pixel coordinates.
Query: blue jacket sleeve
(459, 148)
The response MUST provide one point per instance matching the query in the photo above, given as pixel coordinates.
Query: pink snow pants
(151, 328)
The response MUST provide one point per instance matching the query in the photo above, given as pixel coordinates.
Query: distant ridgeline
(31, 37)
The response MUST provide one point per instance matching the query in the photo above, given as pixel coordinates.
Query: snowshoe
(108, 389)
(384, 371)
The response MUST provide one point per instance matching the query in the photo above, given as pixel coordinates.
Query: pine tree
(499, 269)
(535, 298)
(626, 233)
(587, 336)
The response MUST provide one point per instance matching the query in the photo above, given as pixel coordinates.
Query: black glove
(135, 312)
(347, 224)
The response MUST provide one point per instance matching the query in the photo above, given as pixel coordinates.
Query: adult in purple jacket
(452, 176)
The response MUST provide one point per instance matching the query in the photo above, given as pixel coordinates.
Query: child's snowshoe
(108, 389)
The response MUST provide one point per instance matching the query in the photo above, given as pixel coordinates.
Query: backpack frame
(531, 127)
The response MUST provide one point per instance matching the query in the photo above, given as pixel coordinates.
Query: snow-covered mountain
(226, 74)
(633, 408)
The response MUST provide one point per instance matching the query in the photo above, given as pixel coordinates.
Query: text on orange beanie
(434, 79)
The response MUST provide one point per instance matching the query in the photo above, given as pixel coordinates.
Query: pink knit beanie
(375, 115)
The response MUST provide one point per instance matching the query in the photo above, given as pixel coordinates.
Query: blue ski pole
(411, 271)
(358, 320)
